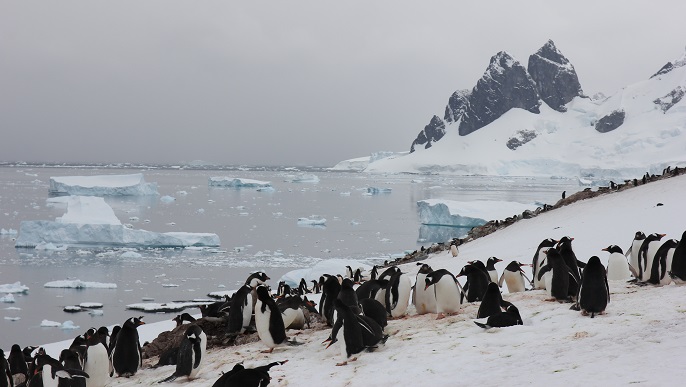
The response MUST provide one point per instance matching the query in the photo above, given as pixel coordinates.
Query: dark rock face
(431, 133)
(671, 99)
(458, 104)
(610, 122)
(664, 70)
(504, 85)
(556, 80)
(522, 137)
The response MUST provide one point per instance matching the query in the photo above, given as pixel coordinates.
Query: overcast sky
(284, 82)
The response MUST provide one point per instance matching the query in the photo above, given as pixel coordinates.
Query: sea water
(259, 230)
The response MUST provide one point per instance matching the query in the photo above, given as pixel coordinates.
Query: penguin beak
(662, 235)
(605, 249)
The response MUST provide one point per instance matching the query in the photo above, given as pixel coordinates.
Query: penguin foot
(575, 307)
(342, 364)
(440, 316)
(267, 350)
(584, 313)
(550, 299)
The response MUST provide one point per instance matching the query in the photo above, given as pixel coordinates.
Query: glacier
(234, 182)
(89, 221)
(439, 212)
(102, 185)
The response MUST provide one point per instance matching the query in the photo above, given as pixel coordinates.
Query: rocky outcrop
(458, 104)
(672, 98)
(521, 138)
(671, 66)
(504, 85)
(556, 80)
(611, 121)
(431, 133)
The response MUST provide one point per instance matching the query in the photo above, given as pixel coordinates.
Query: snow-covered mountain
(536, 121)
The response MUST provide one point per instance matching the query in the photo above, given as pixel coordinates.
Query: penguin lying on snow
(191, 354)
(594, 293)
(492, 303)
(508, 318)
(359, 332)
(240, 376)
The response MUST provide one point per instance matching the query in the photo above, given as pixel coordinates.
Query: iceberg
(376, 190)
(440, 212)
(16, 287)
(237, 183)
(313, 220)
(11, 231)
(89, 221)
(169, 307)
(102, 185)
(303, 178)
(7, 299)
(78, 284)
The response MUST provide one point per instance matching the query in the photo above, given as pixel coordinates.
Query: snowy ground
(639, 340)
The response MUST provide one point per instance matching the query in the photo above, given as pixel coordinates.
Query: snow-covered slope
(570, 143)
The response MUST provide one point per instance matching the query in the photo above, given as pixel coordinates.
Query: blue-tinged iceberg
(439, 212)
(102, 185)
(234, 182)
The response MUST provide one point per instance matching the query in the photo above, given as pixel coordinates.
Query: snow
(87, 210)
(237, 182)
(467, 214)
(360, 163)
(102, 185)
(313, 220)
(91, 305)
(16, 287)
(7, 299)
(8, 231)
(78, 284)
(555, 346)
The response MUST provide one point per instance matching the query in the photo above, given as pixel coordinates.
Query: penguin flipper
(502, 278)
(543, 270)
(170, 378)
(484, 326)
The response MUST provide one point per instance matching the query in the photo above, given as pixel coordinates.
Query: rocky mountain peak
(555, 77)
(671, 66)
(432, 132)
(458, 103)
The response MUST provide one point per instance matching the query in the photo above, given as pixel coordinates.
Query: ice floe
(78, 284)
(234, 182)
(466, 214)
(102, 185)
(16, 287)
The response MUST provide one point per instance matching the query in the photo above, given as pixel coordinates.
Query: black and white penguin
(678, 269)
(348, 272)
(357, 276)
(646, 254)
(183, 317)
(48, 372)
(374, 310)
(510, 317)
(126, 355)
(423, 298)
(348, 295)
(564, 246)
(633, 253)
(113, 339)
(191, 354)
(559, 285)
(662, 263)
(6, 379)
(291, 308)
(514, 277)
(447, 290)
(594, 292)
(17, 365)
(96, 362)
(490, 268)
(240, 311)
(477, 281)
(316, 287)
(359, 332)
(397, 294)
(491, 304)
(247, 377)
(302, 287)
(268, 320)
(330, 289)
(539, 260)
(370, 288)
(71, 359)
(617, 266)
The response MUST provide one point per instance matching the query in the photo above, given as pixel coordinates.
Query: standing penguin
(514, 276)
(594, 293)
(96, 362)
(424, 299)
(70, 359)
(477, 282)
(18, 366)
(191, 354)
(398, 294)
(254, 280)
(510, 317)
(646, 254)
(292, 312)
(127, 356)
(330, 289)
(374, 310)
(565, 248)
(359, 332)
(268, 320)
(559, 286)
(490, 267)
(348, 296)
(5, 373)
(633, 252)
(453, 249)
(617, 266)
(240, 311)
(678, 269)
(491, 303)
(447, 291)
(539, 261)
(662, 263)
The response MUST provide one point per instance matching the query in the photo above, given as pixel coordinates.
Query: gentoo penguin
(539, 261)
(268, 320)
(514, 276)
(678, 269)
(18, 366)
(70, 359)
(348, 272)
(6, 379)
(374, 310)
(564, 246)
(216, 309)
(359, 332)
(617, 265)
(477, 282)
(398, 294)
(559, 286)
(646, 254)
(126, 355)
(316, 287)
(247, 377)
(302, 287)
(191, 354)
(240, 311)
(254, 280)
(594, 293)
(292, 312)
(96, 362)
(447, 291)
(48, 371)
(633, 252)
(348, 296)
(491, 304)
(179, 319)
(368, 289)
(508, 318)
(662, 263)
(330, 289)
(490, 267)
(357, 276)
(453, 249)
(113, 340)
(424, 299)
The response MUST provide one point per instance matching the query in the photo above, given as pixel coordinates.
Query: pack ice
(441, 212)
(234, 182)
(92, 222)
(102, 185)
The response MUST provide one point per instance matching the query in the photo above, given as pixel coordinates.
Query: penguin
(633, 251)
(348, 272)
(254, 280)
(6, 379)
(70, 359)
(662, 263)
(359, 332)
(559, 286)
(491, 303)
(424, 300)
(348, 295)
(678, 269)
(646, 254)
(564, 194)
(126, 355)
(539, 261)
(113, 340)
(268, 320)
(514, 276)
(17, 364)
(446, 290)
(240, 310)
(564, 246)
(292, 312)
(490, 267)
(374, 310)
(369, 288)
(247, 377)
(357, 276)
(302, 287)
(216, 309)
(183, 317)
(594, 293)
(191, 354)
(508, 318)
(477, 282)
(398, 294)
(316, 287)
(617, 266)
(96, 362)
(48, 372)
(453, 249)
(330, 290)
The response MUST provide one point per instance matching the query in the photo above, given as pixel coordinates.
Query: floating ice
(169, 307)
(96, 312)
(78, 284)
(313, 220)
(72, 309)
(237, 183)
(102, 185)
(12, 318)
(131, 254)
(7, 299)
(302, 178)
(91, 305)
(50, 324)
(266, 189)
(376, 190)
(329, 266)
(69, 325)
(10, 231)
(466, 214)
(167, 199)
(16, 287)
